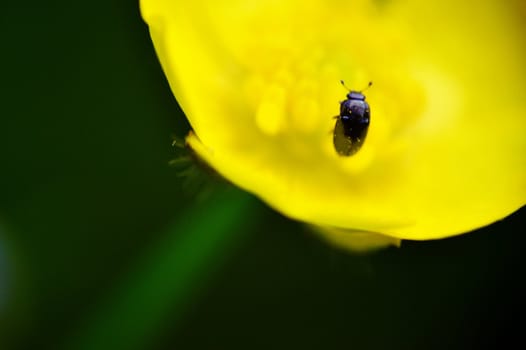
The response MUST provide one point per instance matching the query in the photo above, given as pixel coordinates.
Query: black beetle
(352, 124)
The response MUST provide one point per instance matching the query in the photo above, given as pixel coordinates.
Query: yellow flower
(260, 84)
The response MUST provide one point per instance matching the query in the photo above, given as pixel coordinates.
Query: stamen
(271, 114)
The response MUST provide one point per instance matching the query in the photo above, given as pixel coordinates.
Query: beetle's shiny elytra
(352, 124)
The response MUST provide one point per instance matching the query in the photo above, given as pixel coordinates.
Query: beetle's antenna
(345, 86)
(368, 86)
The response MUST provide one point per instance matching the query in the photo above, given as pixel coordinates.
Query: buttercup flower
(260, 84)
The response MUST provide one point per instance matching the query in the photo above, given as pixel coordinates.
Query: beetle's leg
(331, 132)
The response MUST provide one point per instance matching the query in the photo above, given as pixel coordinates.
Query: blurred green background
(102, 246)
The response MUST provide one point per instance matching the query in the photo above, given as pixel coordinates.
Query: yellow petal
(259, 82)
(355, 241)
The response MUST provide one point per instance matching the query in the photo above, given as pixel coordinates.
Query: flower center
(290, 101)
(293, 89)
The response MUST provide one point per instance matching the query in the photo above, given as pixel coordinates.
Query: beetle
(352, 124)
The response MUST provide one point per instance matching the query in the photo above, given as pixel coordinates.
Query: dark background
(86, 194)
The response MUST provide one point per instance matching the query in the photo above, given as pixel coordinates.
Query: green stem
(161, 285)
